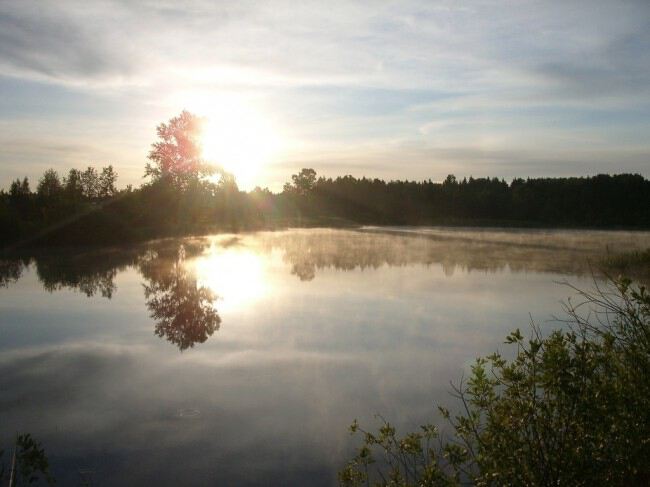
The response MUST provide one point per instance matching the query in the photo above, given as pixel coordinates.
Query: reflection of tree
(90, 272)
(311, 251)
(29, 463)
(306, 271)
(10, 271)
(183, 311)
(88, 282)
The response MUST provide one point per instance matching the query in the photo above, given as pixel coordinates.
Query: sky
(395, 90)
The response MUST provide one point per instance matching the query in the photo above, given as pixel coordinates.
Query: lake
(242, 359)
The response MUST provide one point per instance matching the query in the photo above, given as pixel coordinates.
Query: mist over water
(241, 359)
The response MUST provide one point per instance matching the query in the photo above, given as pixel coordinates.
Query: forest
(86, 207)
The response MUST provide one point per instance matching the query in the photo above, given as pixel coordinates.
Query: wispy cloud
(539, 77)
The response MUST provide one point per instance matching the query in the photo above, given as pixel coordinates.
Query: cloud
(53, 46)
(347, 77)
(410, 46)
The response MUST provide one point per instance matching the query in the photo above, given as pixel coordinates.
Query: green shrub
(571, 408)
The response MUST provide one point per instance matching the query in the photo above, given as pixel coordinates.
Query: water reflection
(97, 278)
(234, 272)
(558, 252)
(90, 272)
(182, 278)
(328, 325)
(11, 270)
(183, 311)
(232, 264)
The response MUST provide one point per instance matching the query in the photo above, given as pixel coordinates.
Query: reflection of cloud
(345, 345)
(115, 411)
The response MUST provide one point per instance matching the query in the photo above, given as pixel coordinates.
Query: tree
(304, 181)
(107, 180)
(19, 189)
(73, 185)
(19, 196)
(227, 183)
(176, 157)
(450, 181)
(14, 189)
(24, 187)
(49, 186)
(90, 182)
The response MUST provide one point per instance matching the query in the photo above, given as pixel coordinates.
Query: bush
(572, 408)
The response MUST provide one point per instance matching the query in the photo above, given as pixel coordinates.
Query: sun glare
(239, 139)
(235, 275)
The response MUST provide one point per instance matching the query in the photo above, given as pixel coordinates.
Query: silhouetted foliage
(74, 186)
(176, 158)
(19, 191)
(57, 206)
(90, 183)
(599, 201)
(107, 180)
(49, 186)
(303, 182)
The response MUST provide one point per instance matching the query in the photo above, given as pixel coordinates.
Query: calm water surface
(242, 359)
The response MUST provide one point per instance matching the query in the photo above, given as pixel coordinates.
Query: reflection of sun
(236, 276)
(239, 139)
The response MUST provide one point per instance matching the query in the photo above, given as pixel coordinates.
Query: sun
(239, 139)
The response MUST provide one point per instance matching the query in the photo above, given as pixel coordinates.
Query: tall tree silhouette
(74, 186)
(176, 157)
(49, 186)
(107, 180)
(303, 182)
(90, 182)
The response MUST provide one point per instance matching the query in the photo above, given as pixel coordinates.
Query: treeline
(600, 201)
(62, 213)
(85, 207)
(24, 212)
